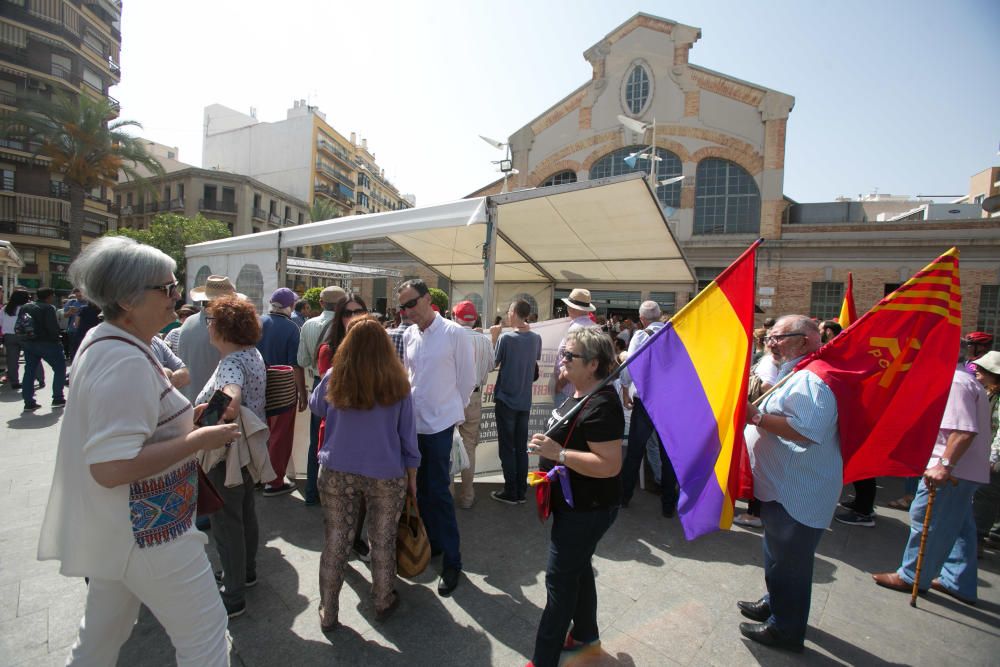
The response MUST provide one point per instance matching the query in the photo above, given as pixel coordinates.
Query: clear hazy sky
(893, 95)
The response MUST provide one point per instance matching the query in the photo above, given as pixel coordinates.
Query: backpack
(24, 326)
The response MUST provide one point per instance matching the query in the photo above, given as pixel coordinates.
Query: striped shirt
(805, 477)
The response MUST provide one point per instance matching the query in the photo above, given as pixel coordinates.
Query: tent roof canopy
(600, 231)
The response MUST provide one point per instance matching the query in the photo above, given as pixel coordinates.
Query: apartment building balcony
(260, 214)
(274, 219)
(217, 206)
(336, 152)
(335, 194)
(37, 228)
(8, 99)
(334, 173)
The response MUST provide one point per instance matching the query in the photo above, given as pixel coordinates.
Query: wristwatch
(757, 419)
(946, 462)
(562, 456)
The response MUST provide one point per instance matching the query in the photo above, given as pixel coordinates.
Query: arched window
(668, 166)
(524, 296)
(477, 300)
(727, 200)
(201, 277)
(251, 282)
(637, 88)
(559, 178)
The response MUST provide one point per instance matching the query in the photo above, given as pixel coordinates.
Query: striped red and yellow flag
(891, 373)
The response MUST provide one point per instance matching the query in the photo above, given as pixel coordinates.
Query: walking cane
(923, 540)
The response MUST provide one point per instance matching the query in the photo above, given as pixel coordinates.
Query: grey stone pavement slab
(662, 600)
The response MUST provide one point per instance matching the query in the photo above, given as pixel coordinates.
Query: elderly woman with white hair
(124, 493)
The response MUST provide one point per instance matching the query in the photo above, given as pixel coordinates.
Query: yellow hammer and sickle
(897, 365)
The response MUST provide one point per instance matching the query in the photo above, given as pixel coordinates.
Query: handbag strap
(156, 364)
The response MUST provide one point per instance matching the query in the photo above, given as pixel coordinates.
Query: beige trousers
(465, 494)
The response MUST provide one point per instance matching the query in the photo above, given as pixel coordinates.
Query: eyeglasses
(777, 338)
(166, 288)
(411, 303)
(357, 311)
(570, 356)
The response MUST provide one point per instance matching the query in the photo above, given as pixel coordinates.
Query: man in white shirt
(466, 315)
(440, 360)
(579, 308)
(961, 457)
(311, 335)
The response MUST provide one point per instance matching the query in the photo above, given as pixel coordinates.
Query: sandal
(901, 503)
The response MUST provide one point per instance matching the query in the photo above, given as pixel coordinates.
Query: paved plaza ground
(663, 600)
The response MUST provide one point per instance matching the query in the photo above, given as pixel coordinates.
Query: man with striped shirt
(794, 449)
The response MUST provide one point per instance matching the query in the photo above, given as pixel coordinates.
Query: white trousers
(175, 581)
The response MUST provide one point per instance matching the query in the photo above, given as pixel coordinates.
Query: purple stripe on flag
(672, 394)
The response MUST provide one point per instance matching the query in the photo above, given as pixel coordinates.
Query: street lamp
(648, 154)
(506, 164)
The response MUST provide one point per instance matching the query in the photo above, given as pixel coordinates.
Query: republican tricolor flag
(691, 376)
(891, 373)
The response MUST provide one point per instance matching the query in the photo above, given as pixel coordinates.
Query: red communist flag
(891, 373)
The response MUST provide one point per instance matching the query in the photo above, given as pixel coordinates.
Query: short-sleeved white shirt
(968, 409)
(119, 402)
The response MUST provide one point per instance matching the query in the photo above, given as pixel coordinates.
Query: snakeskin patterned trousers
(341, 495)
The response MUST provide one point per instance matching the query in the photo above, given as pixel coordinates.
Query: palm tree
(324, 209)
(74, 133)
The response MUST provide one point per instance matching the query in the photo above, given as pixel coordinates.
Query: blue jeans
(312, 460)
(640, 430)
(437, 508)
(52, 353)
(569, 582)
(789, 552)
(512, 443)
(950, 550)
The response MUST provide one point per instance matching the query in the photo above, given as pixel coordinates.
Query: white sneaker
(748, 520)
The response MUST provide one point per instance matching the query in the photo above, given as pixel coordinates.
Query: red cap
(978, 337)
(464, 311)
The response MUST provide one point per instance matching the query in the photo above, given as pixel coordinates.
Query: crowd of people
(387, 398)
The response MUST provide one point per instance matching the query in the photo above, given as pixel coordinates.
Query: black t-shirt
(600, 420)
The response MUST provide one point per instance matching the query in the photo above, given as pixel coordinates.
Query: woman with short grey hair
(124, 493)
(588, 444)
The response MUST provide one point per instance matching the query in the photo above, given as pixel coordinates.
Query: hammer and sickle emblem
(895, 365)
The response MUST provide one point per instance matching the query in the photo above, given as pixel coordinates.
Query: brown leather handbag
(413, 549)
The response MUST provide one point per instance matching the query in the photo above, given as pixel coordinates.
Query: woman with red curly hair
(369, 453)
(233, 329)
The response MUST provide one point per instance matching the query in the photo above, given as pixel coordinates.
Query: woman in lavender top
(369, 453)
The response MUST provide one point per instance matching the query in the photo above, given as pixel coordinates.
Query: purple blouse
(379, 443)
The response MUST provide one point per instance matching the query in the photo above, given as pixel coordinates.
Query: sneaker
(748, 520)
(852, 518)
(31, 407)
(360, 547)
(249, 583)
(575, 644)
(500, 497)
(58, 402)
(235, 609)
(272, 491)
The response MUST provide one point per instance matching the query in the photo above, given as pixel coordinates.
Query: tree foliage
(439, 298)
(170, 232)
(324, 209)
(74, 133)
(312, 296)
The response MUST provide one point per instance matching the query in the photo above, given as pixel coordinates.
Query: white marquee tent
(600, 233)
